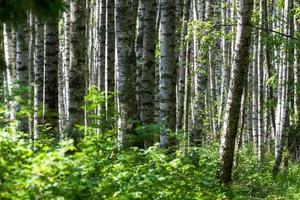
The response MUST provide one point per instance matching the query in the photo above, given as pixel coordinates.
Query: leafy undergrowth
(99, 171)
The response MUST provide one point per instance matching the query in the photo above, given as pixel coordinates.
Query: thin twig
(264, 29)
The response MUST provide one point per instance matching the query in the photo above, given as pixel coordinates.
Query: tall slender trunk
(211, 90)
(77, 67)
(167, 69)
(61, 85)
(269, 73)
(148, 65)
(200, 81)
(101, 62)
(31, 71)
(51, 74)
(225, 64)
(139, 49)
(110, 57)
(22, 65)
(187, 95)
(250, 105)
(242, 133)
(255, 91)
(110, 45)
(94, 48)
(38, 77)
(182, 66)
(101, 35)
(294, 139)
(2, 62)
(282, 106)
(260, 72)
(10, 73)
(63, 74)
(238, 77)
(157, 65)
(297, 67)
(125, 34)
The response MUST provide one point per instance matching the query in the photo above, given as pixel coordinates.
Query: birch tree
(50, 105)
(2, 61)
(110, 56)
(139, 47)
(238, 77)
(182, 66)
(22, 66)
(101, 35)
(282, 101)
(38, 77)
(167, 69)
(110, 45)
(260, 72)
(125, 34)
(148, 65)
(77, 66)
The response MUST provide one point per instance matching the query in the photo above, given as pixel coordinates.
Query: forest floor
(99, 171)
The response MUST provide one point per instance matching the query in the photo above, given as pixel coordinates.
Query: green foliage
(96, 169)
(280, 3)
(16, 11)
(257, 181)
(297, 13)
(147, 134)
(100, 171)
(207, 33)
(101, 116)
(255, 17)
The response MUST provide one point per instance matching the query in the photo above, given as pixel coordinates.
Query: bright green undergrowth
(99, 171)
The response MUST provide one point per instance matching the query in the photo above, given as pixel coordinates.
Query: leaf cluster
(17, 11)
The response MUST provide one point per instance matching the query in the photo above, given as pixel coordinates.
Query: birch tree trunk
(22, 65)
(238, 77)
(77, 67)
(297, 67)
(260, 72)
(101, 63)
(269, 74)
(282, 106)
(225, 63)
(139, 48)
(125, 35)
(187, 95)
(31, 70)
(9, 41)
(110, 57)
(110, 45)
(63, 72)
(255, 89)
(157, 66)
(211, 92)
(200, 81)
(101, 35)
(2, 62)
(182, 66)
(51, 72)
(167, 69)
(294, 140)
(148, 65)
(38, 78)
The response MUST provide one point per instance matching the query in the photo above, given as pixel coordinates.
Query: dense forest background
(149, 99)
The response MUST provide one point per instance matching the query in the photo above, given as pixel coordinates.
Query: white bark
(167, 69)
